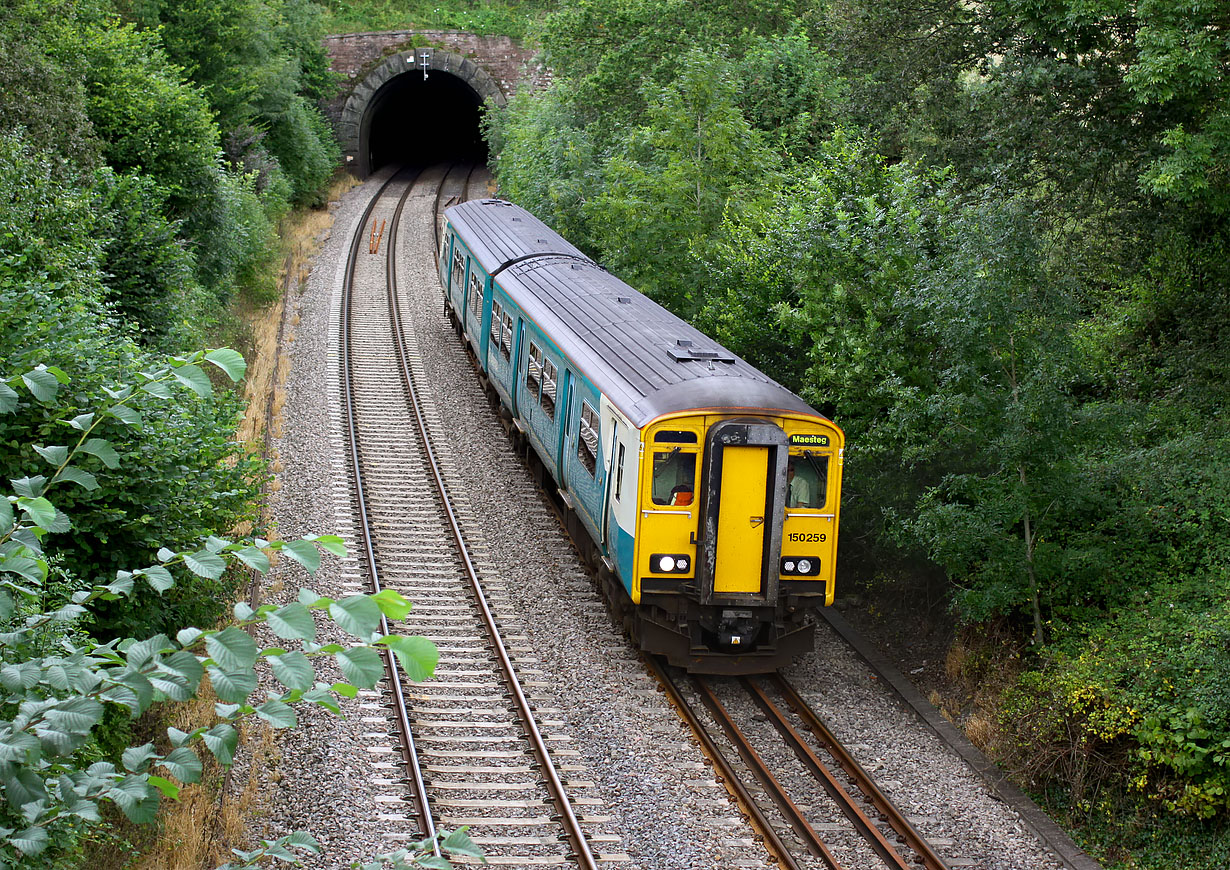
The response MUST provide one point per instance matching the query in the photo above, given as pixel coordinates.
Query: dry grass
(211, 818)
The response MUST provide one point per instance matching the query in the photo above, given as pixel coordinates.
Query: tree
(667, 188)
(1001, 329)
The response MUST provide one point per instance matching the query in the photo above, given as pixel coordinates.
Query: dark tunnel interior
(417, 121)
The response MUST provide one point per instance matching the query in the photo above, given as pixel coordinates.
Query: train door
(565, 438)
(742, 495)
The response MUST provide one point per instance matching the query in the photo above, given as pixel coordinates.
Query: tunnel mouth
(417, 120)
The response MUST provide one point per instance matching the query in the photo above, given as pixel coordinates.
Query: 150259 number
(807, 537)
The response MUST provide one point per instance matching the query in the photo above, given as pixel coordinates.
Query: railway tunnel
(412, 120)
(417, 107)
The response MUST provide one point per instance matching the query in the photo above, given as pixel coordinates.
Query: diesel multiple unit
(706, 494)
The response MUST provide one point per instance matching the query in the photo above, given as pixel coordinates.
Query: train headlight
(800, 566)
(670, 563)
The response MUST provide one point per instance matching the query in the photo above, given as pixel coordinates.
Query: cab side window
(807, 478)
(674, 477)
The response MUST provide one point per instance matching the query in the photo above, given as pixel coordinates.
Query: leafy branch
(53, 703)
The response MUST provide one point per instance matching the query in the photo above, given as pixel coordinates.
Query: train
(705, 495)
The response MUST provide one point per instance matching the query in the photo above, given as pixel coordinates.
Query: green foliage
(486, 18)
(42, 96)
(261, 66)
(148, 274)
(56, 696)
(667, 187)
(1010, 289)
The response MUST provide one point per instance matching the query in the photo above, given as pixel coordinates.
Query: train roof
(647, 361)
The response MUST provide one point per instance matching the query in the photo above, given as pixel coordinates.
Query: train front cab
(736, 538)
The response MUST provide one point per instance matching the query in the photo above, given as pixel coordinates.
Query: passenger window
(476, 297)
(506, 339)
(674, 477)
(533, 372)
(619, 474)
(548, 388)
(587, 444)
(497, 321)
(807, 478)
(459, 270)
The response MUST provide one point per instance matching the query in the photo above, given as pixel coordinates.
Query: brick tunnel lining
(415, 120)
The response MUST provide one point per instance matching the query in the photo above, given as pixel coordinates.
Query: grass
(501, 18)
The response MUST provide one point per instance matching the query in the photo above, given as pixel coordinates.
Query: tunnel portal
(416, 107)
(414, 120)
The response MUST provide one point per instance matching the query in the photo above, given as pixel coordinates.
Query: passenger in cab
(674, 478)
(798, 490)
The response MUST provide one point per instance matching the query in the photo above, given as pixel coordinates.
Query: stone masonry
(494, 66)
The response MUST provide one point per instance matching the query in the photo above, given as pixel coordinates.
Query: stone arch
(355, 122)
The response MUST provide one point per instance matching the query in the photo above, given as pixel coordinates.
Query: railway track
(761, 734)
(466, 745)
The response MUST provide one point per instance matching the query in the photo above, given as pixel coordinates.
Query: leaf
(42, 384)
(136, 798)
(137, 758)
(230, 361)
(221, 741)
(8, 398)
(126, 415)
(55, 456)
(158, 577)
(40, 511)
(321, 698)
(277, 713)
(304, 552)
(188, 636)
(82, 421)
(357, 614)
(392, 603)
(293, 670)
(292, 622)
(243, 611)
(73, 474)
(459, 843)
(345, 690)
(31, 841)
(183, 764)
(417, 656)
(165, 786)
(361, 665)
(194, 378)
(205, 564)
(161, 389)
(101, 448)
(232, 687)
(331, 544)
(122, 584)
(232, 648)
(184, 664)
(254, 558)
(30, 487)
(308, 598)
(7, 517)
